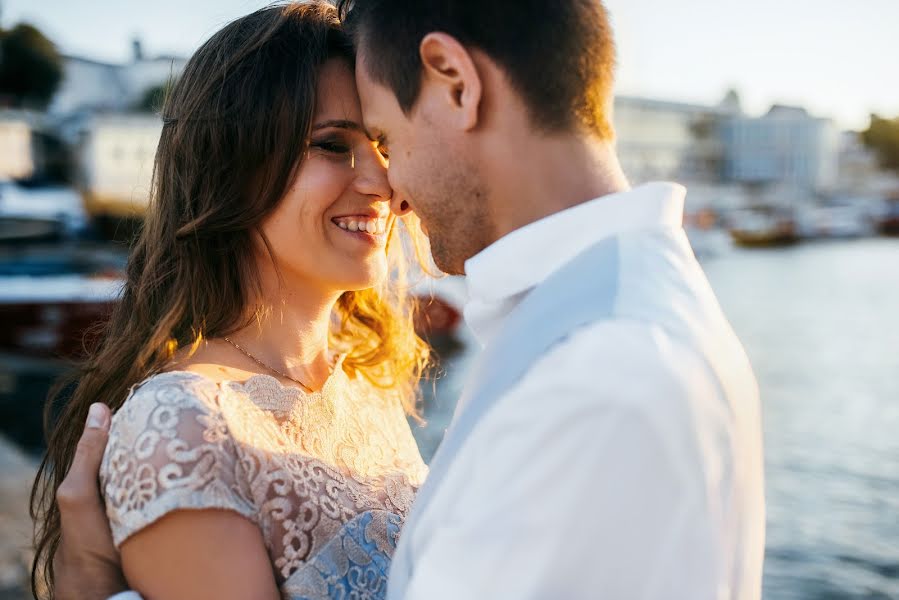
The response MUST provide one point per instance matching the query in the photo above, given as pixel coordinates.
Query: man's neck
(551, 174)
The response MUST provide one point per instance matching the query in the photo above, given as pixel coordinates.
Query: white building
(659, 139)
(787, 146)
(90, 85)
(116, 162)
(114, 148)
(16, 156)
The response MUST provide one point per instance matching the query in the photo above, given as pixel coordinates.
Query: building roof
(671, 105)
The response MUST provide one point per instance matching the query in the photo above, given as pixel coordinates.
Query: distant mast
(137, 49)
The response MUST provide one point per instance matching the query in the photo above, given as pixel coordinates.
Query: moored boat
(763, 229)
(888, 222)
(51, 297)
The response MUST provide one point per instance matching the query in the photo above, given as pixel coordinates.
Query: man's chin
(447, 264)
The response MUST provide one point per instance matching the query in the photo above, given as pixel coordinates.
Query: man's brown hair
(559, 54)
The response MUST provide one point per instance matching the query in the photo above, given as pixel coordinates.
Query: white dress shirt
(620, 467)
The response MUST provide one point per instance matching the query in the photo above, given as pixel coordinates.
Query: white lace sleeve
(170, 449)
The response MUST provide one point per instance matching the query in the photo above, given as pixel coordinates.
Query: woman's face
(331, 227)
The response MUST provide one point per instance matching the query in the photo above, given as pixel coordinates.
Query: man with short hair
(608, 443)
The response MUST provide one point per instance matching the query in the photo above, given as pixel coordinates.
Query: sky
(837, 58)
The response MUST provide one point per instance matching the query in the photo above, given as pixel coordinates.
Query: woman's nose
(371, 175)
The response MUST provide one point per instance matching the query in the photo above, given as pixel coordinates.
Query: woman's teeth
(371, 226)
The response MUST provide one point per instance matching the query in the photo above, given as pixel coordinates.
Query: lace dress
(328, 477)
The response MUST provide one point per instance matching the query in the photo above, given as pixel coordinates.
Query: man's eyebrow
(342, 124)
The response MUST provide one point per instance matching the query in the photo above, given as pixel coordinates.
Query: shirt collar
(499, 275)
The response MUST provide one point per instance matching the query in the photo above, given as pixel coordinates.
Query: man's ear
(449, 65)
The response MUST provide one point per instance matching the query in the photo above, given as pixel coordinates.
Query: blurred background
(782, 118)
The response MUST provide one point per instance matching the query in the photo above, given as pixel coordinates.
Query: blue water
(820, 323)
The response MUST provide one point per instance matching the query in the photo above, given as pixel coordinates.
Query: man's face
(432, 167)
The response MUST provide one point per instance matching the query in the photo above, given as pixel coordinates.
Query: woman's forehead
(336, 96)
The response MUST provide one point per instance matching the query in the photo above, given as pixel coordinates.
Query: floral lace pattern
(309, 469)
(353, 565)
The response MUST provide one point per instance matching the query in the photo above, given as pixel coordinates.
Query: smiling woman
(324, 227)
(263, 349)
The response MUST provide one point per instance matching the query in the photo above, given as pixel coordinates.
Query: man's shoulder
(620, 360)
(620, 366)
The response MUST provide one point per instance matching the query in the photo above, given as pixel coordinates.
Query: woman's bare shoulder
(212, 360)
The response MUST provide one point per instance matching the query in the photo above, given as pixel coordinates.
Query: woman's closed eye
(342, 150)
(336, 147)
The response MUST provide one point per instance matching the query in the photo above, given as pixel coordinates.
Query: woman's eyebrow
(341, 124)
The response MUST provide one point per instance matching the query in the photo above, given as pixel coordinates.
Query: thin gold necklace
(269, 367)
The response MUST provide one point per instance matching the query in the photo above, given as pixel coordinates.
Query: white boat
(39, 213)
(843, 221)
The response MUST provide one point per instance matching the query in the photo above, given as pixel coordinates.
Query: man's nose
(399, 205)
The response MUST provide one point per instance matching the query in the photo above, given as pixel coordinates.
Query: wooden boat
(758, 229)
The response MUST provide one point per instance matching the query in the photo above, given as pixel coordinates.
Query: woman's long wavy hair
(236, 127)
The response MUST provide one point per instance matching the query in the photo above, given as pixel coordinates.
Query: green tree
(31, 68)
(154, 97)
(882, 136)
